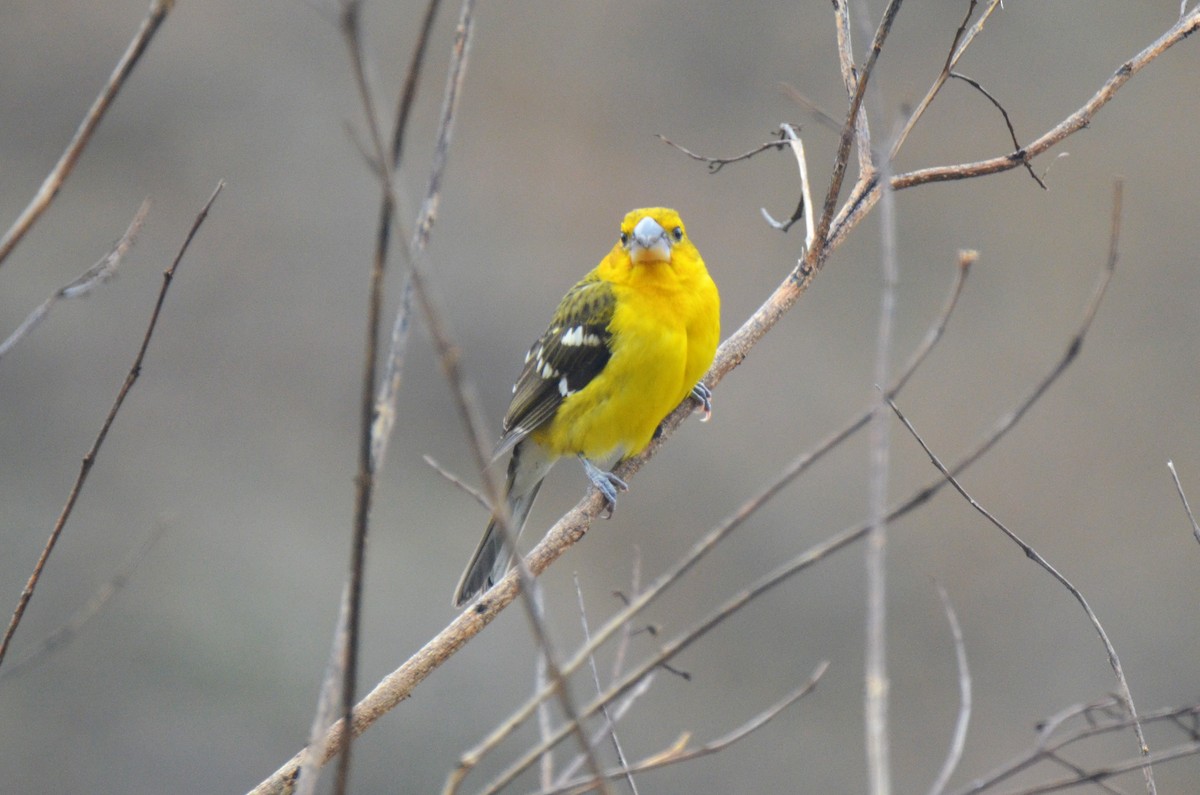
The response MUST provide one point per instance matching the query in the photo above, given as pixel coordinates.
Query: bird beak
(649, 242)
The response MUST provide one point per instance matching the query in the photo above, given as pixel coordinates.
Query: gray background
(201, 675)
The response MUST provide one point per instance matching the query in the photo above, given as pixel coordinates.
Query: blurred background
(201, 674)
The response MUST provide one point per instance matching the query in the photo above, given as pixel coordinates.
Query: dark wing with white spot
(564, 360)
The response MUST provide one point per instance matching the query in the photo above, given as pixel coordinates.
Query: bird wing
(573, 350)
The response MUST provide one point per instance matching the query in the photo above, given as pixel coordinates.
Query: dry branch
(66, 163)
(89, 458)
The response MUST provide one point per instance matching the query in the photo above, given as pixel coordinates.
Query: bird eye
(624, 238)
(677, 233)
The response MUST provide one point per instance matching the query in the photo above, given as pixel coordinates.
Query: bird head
(650, 235)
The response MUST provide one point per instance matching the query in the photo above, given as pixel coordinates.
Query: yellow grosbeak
(626, 346)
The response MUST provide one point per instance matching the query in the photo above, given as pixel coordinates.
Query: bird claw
(606, 483)
(703, 394)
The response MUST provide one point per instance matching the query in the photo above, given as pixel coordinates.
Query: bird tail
(490, 560)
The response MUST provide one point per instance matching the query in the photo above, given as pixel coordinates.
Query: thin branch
(1114, 661)
(329, 699)
(541, 681)
(715, 164)
(364, 481)
(471, 491)
(1012, 132)
(89, 459)
(1099, 774)
(66, 162)
(1182, 496)
(389, 384)
(679, 753)
(609, 719)
(664, 655)
(1098, 720)
(852, 127)
(845, 49)
(618, 667)
(69, 631)
(789, 133)
(93, 277)
(1031, 553)
(412, 79)
(958, 47)
(866, 193)
(959, 741)
(876, 681)
(1078, 120)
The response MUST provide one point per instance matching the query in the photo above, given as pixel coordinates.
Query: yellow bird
(626, 346)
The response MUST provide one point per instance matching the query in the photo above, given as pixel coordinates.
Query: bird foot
(703, 394)
(606, 483)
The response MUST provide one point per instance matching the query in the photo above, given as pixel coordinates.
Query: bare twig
(378, 414)
(667, 652)
(959, 741)
(962, 40)
(68, 632)
(473, 492)
(329, 699)
(389, 384)
(1097, 719)
(609, 719)
(867, 192)
(1078, 120)
(541, 681)
(680, 753)
(852, 128)
(1012, 132)
(412, 79)
(364, 481)
(876, 681)
(1035, 556)
(1030, 552)
(715, 164)
(1098, 774)
(66, 163)
(1182, 496)
(93, 277)
(846, 63)
(789, 133)
(89, 459)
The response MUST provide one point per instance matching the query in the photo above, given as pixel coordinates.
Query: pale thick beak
(649, 242)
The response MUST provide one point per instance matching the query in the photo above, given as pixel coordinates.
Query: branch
(1032, 554)
(962, 40)
(959, 742)
(90, 457)
(92, 278)
(1098, 719)
(67, 632)
(715, 164)
(1081, 118)
(350, 617)
(66, 163)
(679, 753)
(1182, 496)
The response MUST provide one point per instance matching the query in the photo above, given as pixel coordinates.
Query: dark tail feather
(490, 560)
